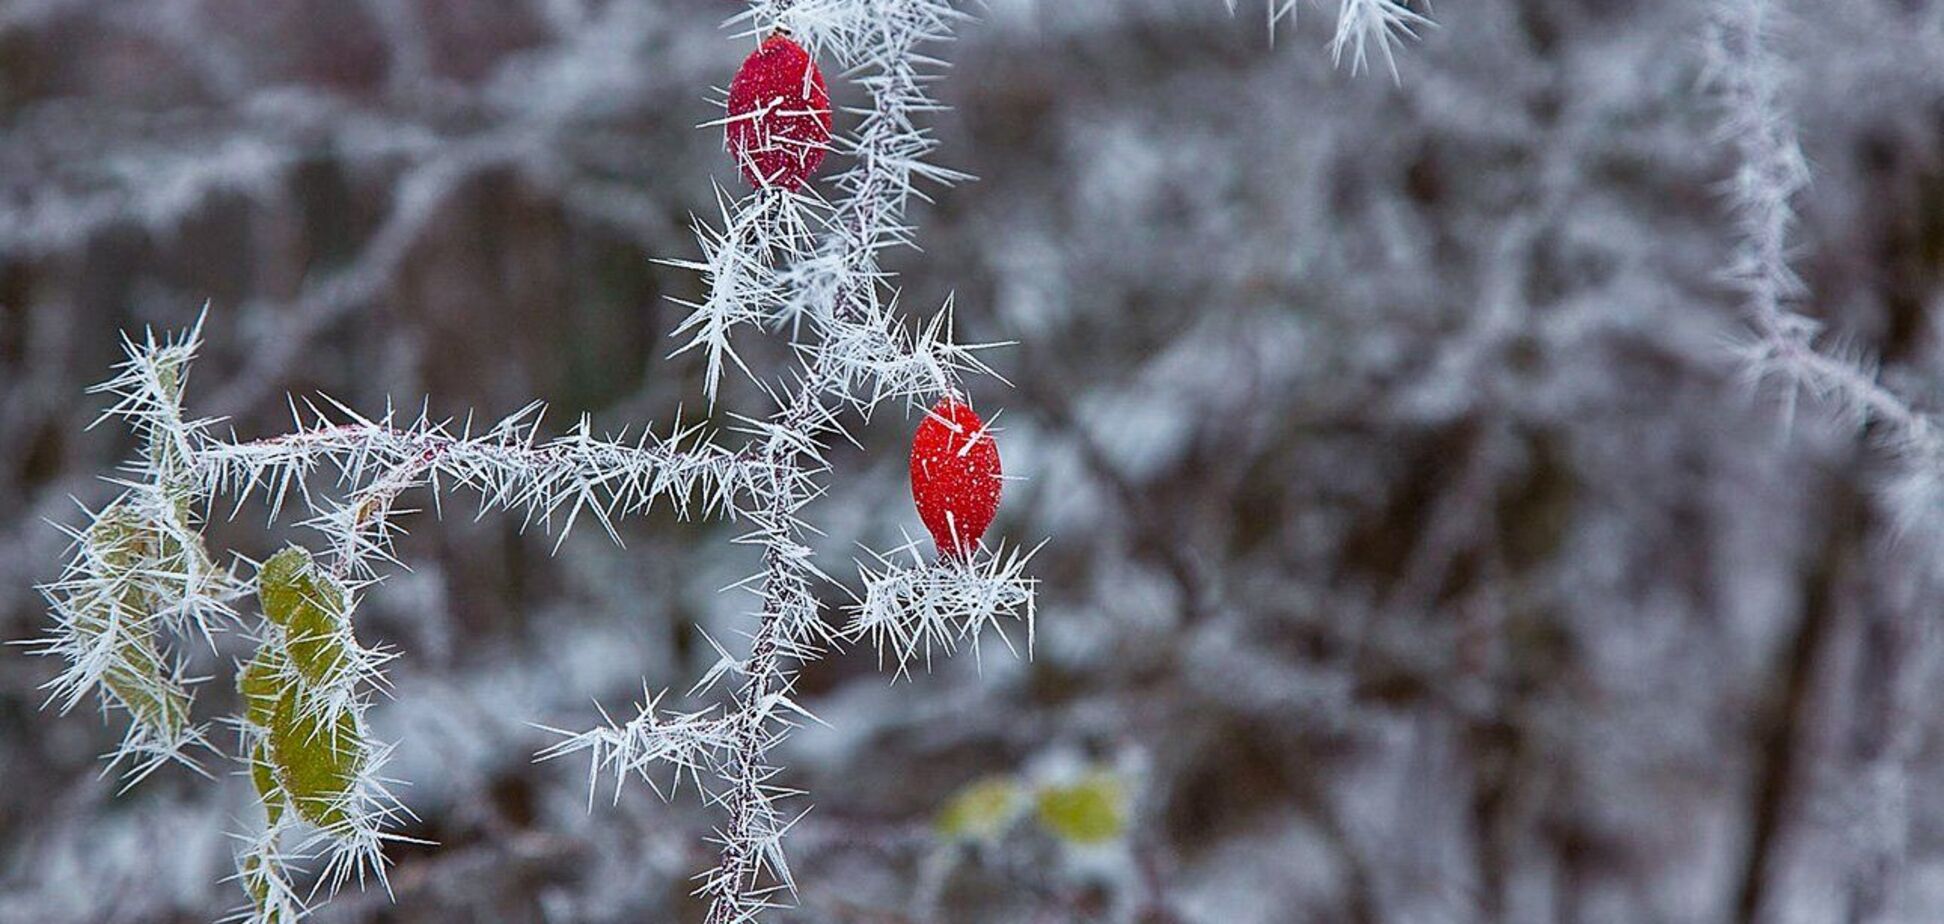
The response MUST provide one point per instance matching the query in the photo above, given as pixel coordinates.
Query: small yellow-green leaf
(262, 682)
(152, 696)
(282, 583)
(136, 675)
(316, 762)
(264, 776)
(980, 810)
(309, 605)
(1090, 811)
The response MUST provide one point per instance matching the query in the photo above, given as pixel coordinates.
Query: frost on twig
(739, 263)
(794, 262)
(782, 261)
(1360, 25)
(140, 584)
(1770, 170)
(551, 483)
(683, 743)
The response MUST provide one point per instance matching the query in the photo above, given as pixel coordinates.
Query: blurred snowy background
(1418, 551)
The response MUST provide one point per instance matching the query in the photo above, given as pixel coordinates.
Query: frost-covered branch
(797, 262)
(550, 482)
(139, 585)
(784, 259)
(837, 292)
(1770, 170)
(690, 743)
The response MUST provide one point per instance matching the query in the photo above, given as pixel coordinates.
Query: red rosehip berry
(955, 476)
(779, 115)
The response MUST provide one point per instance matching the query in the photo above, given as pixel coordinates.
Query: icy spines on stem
(549, 482)
(688, 744)
(264, 873)
(1769, 169)
(868, 35)
(793, 260)
(790, 609)
(855, 355)
(765, 229)
(913, 611)
(1383, 23)
(753, 875)
(148, 399)
(885, 362)
(838, 289)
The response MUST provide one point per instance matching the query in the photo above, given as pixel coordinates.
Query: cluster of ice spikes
(140, 586)
(1360, 24)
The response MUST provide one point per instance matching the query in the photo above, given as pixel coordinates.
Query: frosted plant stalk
(1770, 170)
(140, 585)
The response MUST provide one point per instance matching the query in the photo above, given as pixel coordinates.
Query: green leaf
(314, 755)
(137, 680)
(309, 605)
(263, 683)
(263, 774)
(136, 677)
(282, 582)
(1091, 811)
(981, 810)
(315, 761)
